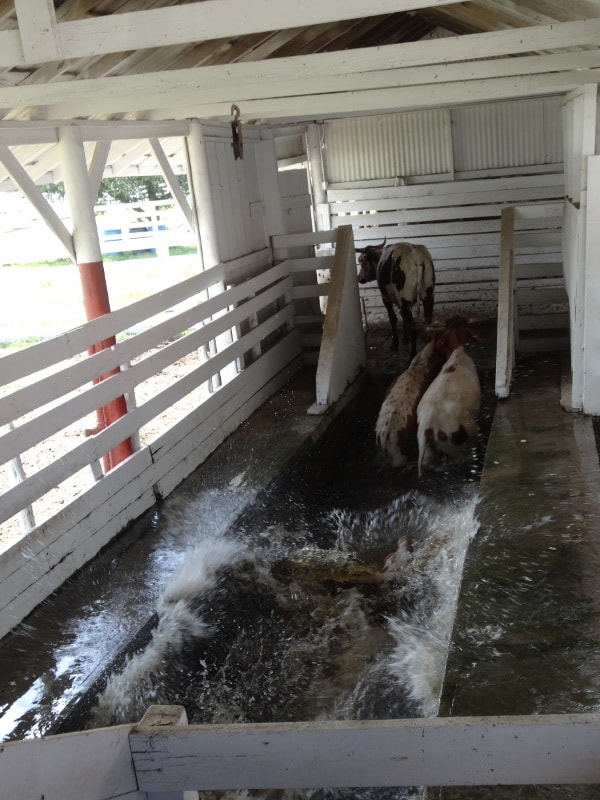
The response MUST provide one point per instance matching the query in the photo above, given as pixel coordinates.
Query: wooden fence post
(160, 718)
(506, 283)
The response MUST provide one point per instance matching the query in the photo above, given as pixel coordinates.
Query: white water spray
(127, 692)
(434, 573)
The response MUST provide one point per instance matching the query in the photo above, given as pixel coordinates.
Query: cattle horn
(374, 246)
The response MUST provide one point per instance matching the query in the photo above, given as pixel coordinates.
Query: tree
(123, 190)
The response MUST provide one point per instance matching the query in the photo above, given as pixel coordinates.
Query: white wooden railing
(164, 755)
(52, 387)
(525, 231)
(149, 225)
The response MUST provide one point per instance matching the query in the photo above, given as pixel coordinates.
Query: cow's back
(447, 412)
(396, 426)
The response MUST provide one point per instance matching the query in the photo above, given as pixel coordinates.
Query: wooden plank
(473, 751)
(490, 209)
(89, 518)
(93, 448)
(179, 451)
(13, 405)
(429, 191)
(59, 571)
(39, 543)
(505, 341)
(45, 354)
(423, 229)
(94, 764)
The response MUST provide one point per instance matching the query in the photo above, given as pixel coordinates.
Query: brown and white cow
(405, 274)
(447, 412)
(396, 426)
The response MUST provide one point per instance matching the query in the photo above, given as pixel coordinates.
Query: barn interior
(305, 132)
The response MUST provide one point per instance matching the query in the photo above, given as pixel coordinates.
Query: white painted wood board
(415, 752)
(95, 765)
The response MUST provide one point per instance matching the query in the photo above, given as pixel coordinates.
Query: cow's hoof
(394, 346)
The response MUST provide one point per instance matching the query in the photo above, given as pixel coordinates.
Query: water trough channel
(278, 585)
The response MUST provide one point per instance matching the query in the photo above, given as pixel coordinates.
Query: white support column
(203, 199)
(79, 194)
(579, 143)
(591, 334)
(317, 178)
(204, 210)
(506, 292)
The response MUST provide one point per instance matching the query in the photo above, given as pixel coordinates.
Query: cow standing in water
(396, 426)
(405, 274)
(447, 413)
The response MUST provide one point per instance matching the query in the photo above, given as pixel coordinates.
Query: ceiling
(284, 62)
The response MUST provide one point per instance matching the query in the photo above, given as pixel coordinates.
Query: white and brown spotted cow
(447, 412)
(405, 275)
(396, 426)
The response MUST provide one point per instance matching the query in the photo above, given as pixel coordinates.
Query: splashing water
(423, 636)
(178, 623)
(290, 631)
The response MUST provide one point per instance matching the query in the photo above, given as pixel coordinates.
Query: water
(330, 595)
(289, 630)
(331, 598)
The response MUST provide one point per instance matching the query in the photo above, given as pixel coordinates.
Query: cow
(447, 412)
(405, 274)
(396, 426)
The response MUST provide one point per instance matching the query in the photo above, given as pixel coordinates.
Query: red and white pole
(91, 269)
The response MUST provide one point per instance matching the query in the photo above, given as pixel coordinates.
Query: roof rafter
(179, 24)
(375, 67)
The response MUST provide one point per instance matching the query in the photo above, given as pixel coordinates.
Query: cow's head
(368, 258)
(454, 332)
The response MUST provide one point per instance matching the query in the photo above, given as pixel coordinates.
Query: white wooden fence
(531, 297)
(163, 757)
(151, 225)
(255, 309)
(459, 221)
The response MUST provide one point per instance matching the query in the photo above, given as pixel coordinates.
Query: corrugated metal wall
(388, 146)
(516, 133)
(443, 142)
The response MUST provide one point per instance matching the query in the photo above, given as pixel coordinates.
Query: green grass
(17, 345)
(178, 250)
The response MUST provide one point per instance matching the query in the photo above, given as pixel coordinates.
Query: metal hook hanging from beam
(237, 141)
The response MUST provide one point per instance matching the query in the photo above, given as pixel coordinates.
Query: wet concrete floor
(527, 624)
(527, 629)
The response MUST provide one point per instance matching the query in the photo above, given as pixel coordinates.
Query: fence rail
(230, 336)
(163, 754)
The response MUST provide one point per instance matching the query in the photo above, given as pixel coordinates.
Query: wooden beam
(182, 24)
(553, 749)
(369, 69)
(280, 88)
(36, 198)
(38, 31)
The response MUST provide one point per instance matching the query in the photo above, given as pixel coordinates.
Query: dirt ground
(54, 305)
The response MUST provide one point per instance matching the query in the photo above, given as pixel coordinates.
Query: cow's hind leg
(409, 329)
(389, 307)
(428, 306)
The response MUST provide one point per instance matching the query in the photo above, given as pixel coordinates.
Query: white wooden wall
(582, 210)
(459, 221)
(441, 178)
